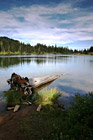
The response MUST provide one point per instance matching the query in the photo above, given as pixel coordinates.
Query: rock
(16, 108)
(39, 108)
(10, 108)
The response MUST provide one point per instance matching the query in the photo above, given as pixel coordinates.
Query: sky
(61, 22)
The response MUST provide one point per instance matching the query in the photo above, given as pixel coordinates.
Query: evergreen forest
(11, 46)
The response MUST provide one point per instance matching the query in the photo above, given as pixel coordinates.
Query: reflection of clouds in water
(71, 90)
(2, 106)
(82, 82)
(65, 94)
(76, 69)
(69, 87)
(4, 75)
(1, 98)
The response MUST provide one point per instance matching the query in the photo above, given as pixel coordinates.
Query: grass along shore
(52, 123)
(25, 53)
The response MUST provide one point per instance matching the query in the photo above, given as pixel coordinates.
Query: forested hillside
(10, 46)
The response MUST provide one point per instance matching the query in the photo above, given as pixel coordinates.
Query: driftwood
(39, 108)
(10, 108)
(25, 85)
(36, 82)
(16, 108)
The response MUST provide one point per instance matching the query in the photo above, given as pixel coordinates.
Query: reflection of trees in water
(63, 58)
(10, 61)
(39, 60)
(52, 59)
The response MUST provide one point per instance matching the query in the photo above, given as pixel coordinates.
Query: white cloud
(39, 26)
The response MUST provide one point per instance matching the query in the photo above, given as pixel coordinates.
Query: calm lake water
(77, 72)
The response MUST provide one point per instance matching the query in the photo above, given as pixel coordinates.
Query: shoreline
(11, 54)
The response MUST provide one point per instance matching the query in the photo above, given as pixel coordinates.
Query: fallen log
(26, 85)
(36, 82)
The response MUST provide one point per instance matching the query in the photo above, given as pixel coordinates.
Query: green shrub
(77, 123)
(13, 97)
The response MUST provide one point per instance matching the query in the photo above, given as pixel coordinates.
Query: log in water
(26, 84)
(36, 82)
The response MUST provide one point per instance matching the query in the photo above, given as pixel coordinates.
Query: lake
(76, 73)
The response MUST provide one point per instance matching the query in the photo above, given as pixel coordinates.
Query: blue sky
(62, 22)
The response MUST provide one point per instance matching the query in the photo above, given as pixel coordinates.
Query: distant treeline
(10, 46)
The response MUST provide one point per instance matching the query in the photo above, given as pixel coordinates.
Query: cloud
(59, 24)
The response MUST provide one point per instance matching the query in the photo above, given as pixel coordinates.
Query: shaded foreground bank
(51, 123)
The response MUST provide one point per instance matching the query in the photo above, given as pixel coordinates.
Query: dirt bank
(10, 122)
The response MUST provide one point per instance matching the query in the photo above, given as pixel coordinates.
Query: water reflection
(6, 62)
(42, 87)
(77, 71)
